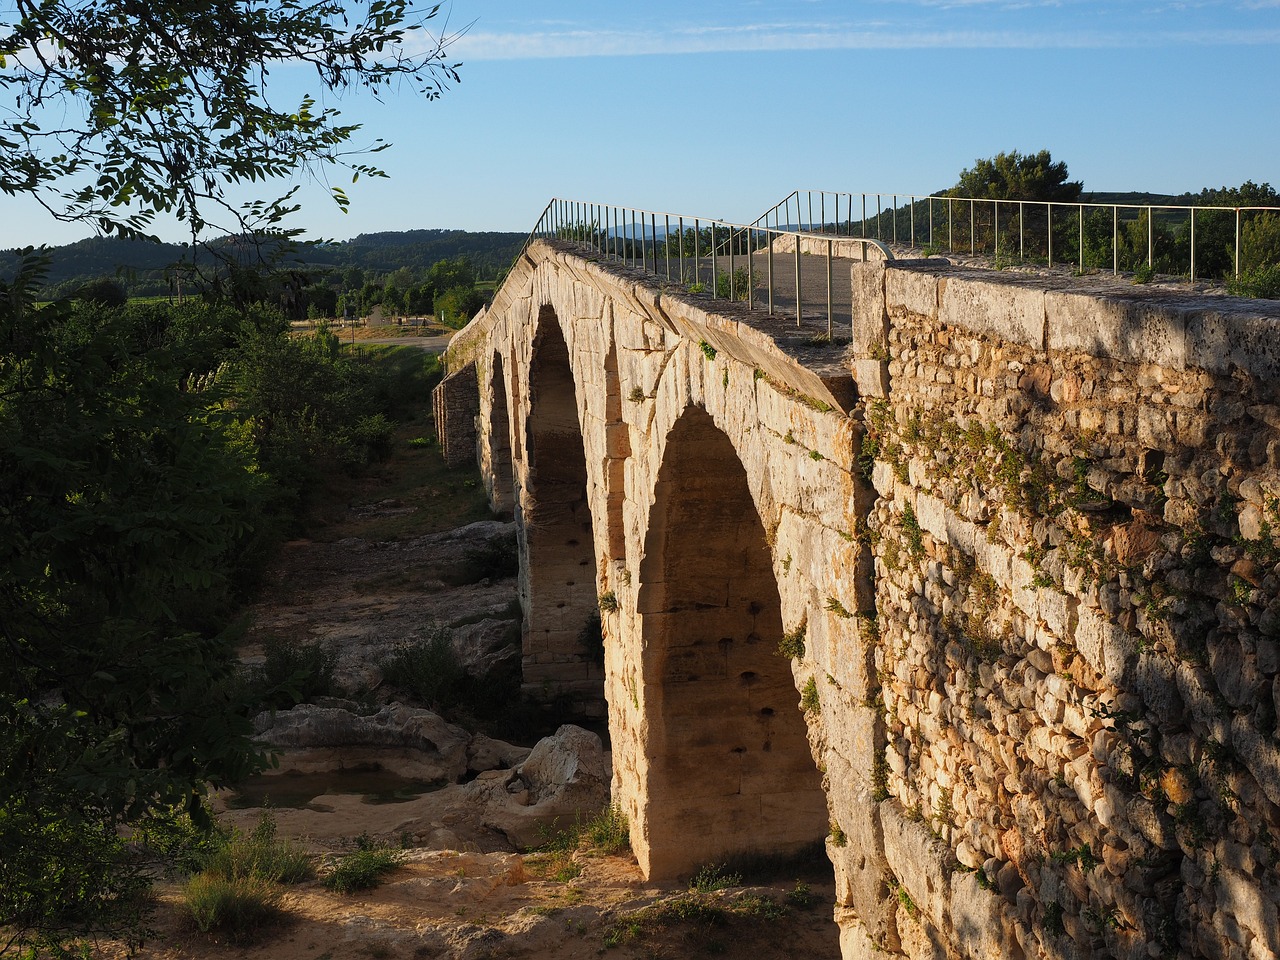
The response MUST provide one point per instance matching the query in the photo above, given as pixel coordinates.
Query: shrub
(791, 645)
(296, 672)
(712, 877)
(427, 669)
(809, 701)
(262, 855)
(362, 869)
(1263, 282)
(237, 906)
(608, 831)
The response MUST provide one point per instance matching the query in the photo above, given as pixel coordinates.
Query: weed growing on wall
(791, 645)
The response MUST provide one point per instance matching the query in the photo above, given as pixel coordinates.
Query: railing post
(653, 236)
(1237, 258)
(1080, 215)
(1151, 241)
(798, 284)
(930, 202)
(1022, 249)
(830, 299)
(769, 266)
(1115, 241)
(895, 218)
(912, 201)
(666, 242)
(1049, 222)
(973, 229)
(995, 229)
(697, 267)
(951, 246)
(680, 227)
(1193, 244)
(715, 280)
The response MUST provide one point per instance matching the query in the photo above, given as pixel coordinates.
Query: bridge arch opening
(729, 770)
(495, 457)
(558, 582)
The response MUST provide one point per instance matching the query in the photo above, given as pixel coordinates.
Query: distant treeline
(143, 269)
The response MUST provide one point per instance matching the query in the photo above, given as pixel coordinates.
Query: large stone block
(911, 292)
(870, 318)
(921, 864)
(1001, 309)
(1132, 329)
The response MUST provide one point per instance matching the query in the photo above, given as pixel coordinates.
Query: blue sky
(719, 108)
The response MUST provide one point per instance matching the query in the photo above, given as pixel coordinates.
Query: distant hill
(142, 265)
(1136, 199)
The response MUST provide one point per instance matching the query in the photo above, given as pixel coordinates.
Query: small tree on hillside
(1017, 176)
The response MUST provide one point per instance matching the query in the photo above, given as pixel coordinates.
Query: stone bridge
(985, 600)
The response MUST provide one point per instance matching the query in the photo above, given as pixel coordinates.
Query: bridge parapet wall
(1076, 583)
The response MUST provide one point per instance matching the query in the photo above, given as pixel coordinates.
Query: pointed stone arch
(727, 768)
(558, 573)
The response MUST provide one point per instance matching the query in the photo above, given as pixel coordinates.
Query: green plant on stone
(1053, 924)
(608, 602)
(636, 395)
(809, 701)
(815, 455)
(838, 836)
(1082, 856)
(904, 898)
(707, 349)
(914, 535)
(838, 608)
(791, 645)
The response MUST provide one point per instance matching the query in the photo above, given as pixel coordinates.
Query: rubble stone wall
(1076, 607)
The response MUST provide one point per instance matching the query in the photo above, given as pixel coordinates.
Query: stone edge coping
(1098, 316)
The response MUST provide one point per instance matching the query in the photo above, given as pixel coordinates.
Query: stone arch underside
(558, 577)
(727, 759)
(497, 471)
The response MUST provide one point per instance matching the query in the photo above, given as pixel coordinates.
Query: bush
(712, 877)
(296, 673)
(237, 906)
(1262, 282)
(262, 855)
(426, 669)
(362, 869)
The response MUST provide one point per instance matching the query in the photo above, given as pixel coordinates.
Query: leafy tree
(128, 508)
(108, 293)
(164, 106)
(1017, 176)
(447, 274)
(459, 305)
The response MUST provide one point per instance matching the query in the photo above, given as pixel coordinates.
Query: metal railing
(782, 272)
(1183, 240)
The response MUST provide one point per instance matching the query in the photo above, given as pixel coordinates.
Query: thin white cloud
(479, 45)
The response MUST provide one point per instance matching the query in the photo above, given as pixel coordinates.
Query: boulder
(413, 742)
(566, 776)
